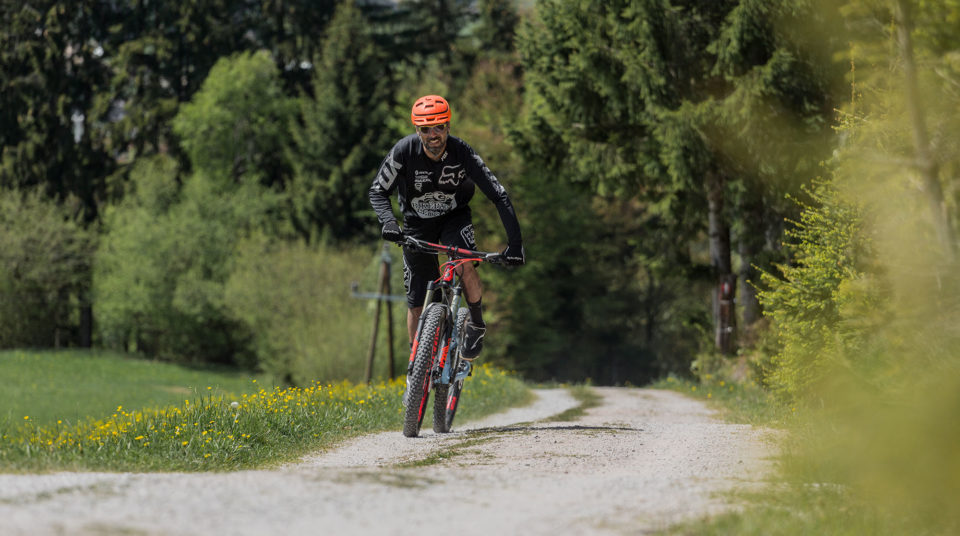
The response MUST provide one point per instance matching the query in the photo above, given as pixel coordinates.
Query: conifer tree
(647, 96)
(341, 140)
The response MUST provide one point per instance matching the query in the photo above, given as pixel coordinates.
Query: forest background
(761, 186)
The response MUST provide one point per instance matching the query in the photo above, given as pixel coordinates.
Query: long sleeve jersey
(430, 189)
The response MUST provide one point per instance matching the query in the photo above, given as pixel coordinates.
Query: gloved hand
(514, 255)
(391, 232)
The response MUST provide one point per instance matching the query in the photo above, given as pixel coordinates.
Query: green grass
(741, 403)
(73, 385)
(218, 430)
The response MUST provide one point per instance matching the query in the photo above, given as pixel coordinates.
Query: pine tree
(341, 140)
(651, 98)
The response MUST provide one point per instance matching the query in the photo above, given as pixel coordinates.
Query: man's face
(434, 137)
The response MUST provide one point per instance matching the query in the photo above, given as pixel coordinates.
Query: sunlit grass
(740, 402)
(224, 432)
(73, 385)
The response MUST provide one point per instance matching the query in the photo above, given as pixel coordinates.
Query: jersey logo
(467, 234)
(451, 175)
(388, 172)
(420, 178)
(433, 204)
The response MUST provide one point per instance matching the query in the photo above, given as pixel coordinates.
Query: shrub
(817, 304)
(44, 270)
(165, 258)
(296, 301)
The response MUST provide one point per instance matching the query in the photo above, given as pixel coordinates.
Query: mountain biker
(435, 175)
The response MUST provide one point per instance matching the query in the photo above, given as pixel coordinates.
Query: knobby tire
(418, 381)
(452, 400)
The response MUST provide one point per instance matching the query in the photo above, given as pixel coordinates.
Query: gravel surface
(641, 461)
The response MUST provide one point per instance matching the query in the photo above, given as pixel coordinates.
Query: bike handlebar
(453, 251)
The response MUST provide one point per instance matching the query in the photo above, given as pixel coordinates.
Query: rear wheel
(440, 408)
(456, 387)
(418, 380)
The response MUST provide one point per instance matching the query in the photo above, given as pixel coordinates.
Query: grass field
(44, 387)
(107, 412)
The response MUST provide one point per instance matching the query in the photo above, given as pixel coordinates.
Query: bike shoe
(472, 340)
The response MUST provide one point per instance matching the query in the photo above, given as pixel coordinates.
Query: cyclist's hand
(391, 232)
(513, 255)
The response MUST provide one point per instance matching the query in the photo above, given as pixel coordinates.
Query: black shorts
(454, 229)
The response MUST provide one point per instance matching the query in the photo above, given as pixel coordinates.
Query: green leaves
(237, 124)
(44, 268)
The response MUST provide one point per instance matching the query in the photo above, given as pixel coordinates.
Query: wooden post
(383, 289)
(386, 292)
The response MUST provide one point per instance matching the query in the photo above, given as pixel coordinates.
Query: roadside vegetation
(758, 196)
(213, 421)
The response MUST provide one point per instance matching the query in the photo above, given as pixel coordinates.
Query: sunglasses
(427, 129)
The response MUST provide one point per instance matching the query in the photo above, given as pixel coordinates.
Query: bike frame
(437, 367)
(448, 283)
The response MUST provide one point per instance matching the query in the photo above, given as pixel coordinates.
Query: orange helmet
(430, 110)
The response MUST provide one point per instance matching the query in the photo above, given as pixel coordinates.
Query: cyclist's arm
(491, 187)
(388, 176)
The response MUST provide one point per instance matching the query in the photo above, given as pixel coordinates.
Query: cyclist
(434, 175)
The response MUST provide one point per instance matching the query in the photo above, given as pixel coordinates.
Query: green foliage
(212, 431)
(821, 302)
(497, 26)
(237, 125)
(165, 258)
(339, 142)
(44, 270)
(49, 75)
(296, 301)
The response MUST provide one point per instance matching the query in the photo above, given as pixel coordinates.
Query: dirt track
(642, 460)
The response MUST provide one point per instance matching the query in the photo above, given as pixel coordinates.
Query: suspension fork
(448, 369)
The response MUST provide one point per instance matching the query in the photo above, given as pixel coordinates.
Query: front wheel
(418, 380)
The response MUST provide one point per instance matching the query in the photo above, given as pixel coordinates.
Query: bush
(165, 258)
(44, 270)
(826, 300)
(296, 301)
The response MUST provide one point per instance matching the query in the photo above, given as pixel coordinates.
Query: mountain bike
(435, 360)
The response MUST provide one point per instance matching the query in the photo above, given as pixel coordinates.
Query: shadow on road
(535, 428)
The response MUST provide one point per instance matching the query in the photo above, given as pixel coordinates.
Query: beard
(435, 145)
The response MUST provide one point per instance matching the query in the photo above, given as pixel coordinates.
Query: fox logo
(451, 175)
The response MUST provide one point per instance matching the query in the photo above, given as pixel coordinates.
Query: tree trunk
(927, 166)
(748, 244)
(719, 235)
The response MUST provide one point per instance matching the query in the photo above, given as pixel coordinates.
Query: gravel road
(641, 461)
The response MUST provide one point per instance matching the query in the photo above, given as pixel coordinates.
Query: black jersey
(429, 189)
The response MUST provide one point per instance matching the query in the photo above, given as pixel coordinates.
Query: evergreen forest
(760, 188)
